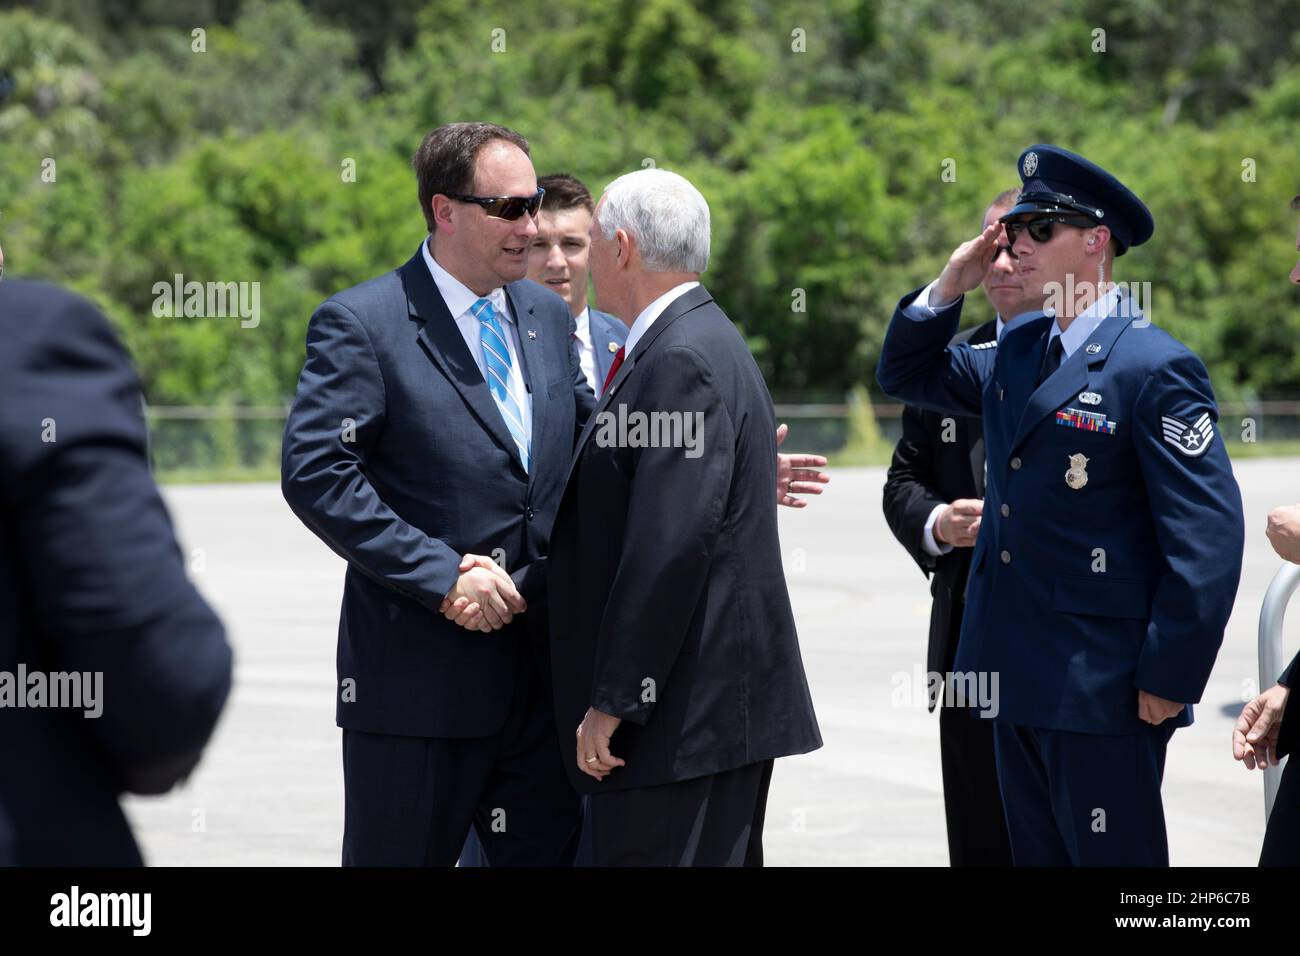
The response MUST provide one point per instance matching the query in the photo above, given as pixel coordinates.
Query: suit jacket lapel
(446, 348)
(684, 303)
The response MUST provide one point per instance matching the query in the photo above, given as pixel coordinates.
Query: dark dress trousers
(397, 456)
(939, 459)
(668, 600)
(91, 581)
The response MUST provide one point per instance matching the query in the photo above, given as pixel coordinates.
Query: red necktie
(613, 370)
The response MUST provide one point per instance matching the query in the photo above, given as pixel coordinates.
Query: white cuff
(923, 308)
(928, 543)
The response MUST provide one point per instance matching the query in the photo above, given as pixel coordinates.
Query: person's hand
(967, 266)
(958, 523)
(1254, 739)
(593, 734)
(797, 474)
(1284, 532)
(484, 598)
(1156, 710)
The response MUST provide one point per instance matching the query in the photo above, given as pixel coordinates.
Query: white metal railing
(1271, 614)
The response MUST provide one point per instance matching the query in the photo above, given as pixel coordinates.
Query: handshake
(484, 598)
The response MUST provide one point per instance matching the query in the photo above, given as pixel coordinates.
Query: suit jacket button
(1006, 557)
(1015, 464)
(528, 513)
(1006, 511)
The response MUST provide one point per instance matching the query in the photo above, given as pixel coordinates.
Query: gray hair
(664, 213)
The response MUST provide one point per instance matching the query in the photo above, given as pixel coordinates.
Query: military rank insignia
(1077, 476)
(1191, 440)
(1088, 421)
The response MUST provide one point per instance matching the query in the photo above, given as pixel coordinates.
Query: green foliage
(819, 133)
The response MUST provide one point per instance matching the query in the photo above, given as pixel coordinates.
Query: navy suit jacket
(669, 606)
(397, 457)
(606, 330)
(1081, 594)
(91, 580)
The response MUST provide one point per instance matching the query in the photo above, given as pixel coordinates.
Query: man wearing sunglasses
(1110, 546)
(427, 446)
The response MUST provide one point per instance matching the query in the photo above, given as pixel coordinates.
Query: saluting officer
(1110, 550)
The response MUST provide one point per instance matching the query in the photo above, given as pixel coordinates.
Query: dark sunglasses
(1040, 230)
(505, 207)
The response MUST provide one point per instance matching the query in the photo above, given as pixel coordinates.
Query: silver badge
(1090, 398)
(1077, 476)
(1093, 348)
(1031, 163)
(532, 334)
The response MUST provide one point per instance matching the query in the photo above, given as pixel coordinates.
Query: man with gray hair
(670, 619)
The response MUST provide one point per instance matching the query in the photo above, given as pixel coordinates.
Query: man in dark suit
(1262, 734)
(558, 260)
(933, 496)
(430, 434)
(670, 621)
(93, 596)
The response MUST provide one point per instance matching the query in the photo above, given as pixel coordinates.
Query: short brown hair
(444, 163)
(1007, 197)
(565, 192)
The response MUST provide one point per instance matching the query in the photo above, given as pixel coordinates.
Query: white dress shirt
(460, 301)
(1080, 329)
(587, 349)
(652, 312)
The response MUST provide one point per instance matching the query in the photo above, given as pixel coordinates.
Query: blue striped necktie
(496, 360)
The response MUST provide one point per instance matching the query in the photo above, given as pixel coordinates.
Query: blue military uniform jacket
(1110, 548)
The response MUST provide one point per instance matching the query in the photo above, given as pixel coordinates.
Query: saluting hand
(967, 266)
